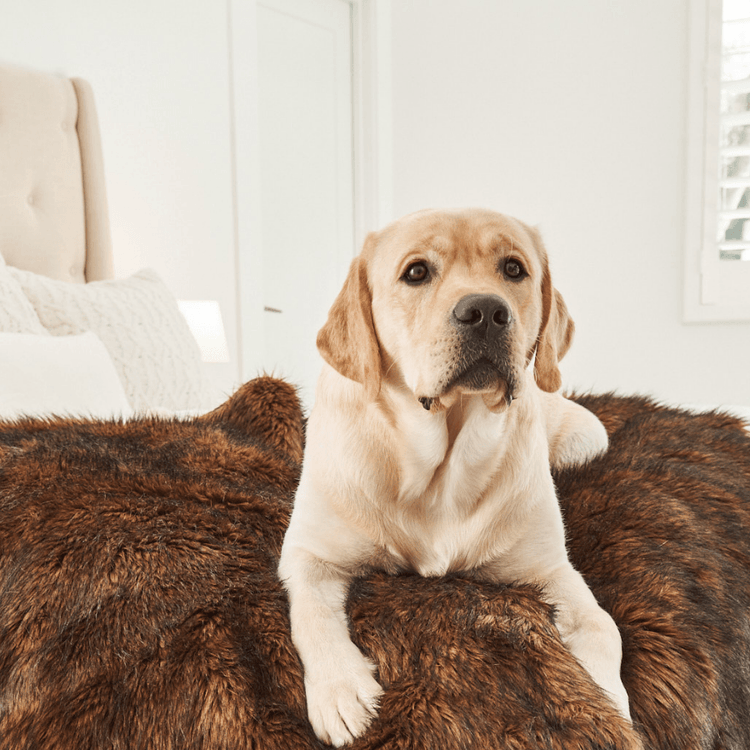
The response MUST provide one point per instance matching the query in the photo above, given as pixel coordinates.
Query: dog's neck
(449, 416)
(430, 445)
(422, 443)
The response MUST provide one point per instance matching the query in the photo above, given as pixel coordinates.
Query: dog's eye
(513, 269)
(416, 273)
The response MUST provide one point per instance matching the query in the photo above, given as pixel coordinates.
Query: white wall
(571, 116)
(160, 73)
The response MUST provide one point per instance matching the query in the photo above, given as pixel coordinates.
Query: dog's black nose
(483, 313)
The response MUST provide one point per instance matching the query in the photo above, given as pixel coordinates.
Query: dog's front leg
(539, 556)
(588, 631)
(342, 694)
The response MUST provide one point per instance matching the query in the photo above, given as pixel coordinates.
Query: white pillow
(16, 312)
(138, 320)
(65, 376)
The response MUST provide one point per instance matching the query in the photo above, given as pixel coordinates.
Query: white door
(306, 175)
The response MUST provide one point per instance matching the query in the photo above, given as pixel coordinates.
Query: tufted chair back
(53, 205)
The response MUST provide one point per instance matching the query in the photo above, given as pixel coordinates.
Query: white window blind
(733, 216)
(717, 242)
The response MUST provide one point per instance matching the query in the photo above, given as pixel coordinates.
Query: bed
(93, 345)
(139, 603)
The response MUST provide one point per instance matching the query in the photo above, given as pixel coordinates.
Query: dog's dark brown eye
(416, 273)
(513, 269)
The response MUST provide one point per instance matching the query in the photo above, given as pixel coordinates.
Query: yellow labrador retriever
(429, 446)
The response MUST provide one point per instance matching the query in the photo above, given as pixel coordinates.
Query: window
(718, 162)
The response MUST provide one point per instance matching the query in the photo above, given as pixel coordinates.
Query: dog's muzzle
(483, 359)
(483, 323)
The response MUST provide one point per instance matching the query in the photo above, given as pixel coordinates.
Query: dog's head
(445, 302)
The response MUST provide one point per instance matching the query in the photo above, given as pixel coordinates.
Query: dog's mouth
(481, 375)
(496, 381)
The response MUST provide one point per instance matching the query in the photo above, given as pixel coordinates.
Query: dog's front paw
(576, 435)
(342, 700)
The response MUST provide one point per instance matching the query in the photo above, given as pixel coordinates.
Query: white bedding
(136, 331)
(17, 314)
(60, 375)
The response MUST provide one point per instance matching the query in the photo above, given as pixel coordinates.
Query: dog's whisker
(390, 367)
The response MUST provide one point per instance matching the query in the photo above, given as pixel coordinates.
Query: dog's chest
(456, 497)
(441, 539)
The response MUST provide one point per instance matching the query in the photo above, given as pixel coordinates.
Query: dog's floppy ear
(347, 341)
(555, 335)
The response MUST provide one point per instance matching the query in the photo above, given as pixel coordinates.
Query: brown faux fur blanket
(140, 610)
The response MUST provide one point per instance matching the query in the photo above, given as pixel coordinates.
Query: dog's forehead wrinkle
(433, 249)
(464, 253)
(466, 237)
(440, 243)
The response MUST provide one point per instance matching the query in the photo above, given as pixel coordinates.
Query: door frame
(372, 157)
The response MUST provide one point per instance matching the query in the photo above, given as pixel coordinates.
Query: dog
(436, 418)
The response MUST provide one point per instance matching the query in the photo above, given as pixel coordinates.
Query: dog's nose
(483, 313)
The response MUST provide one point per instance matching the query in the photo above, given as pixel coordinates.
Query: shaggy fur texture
(140, 609)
